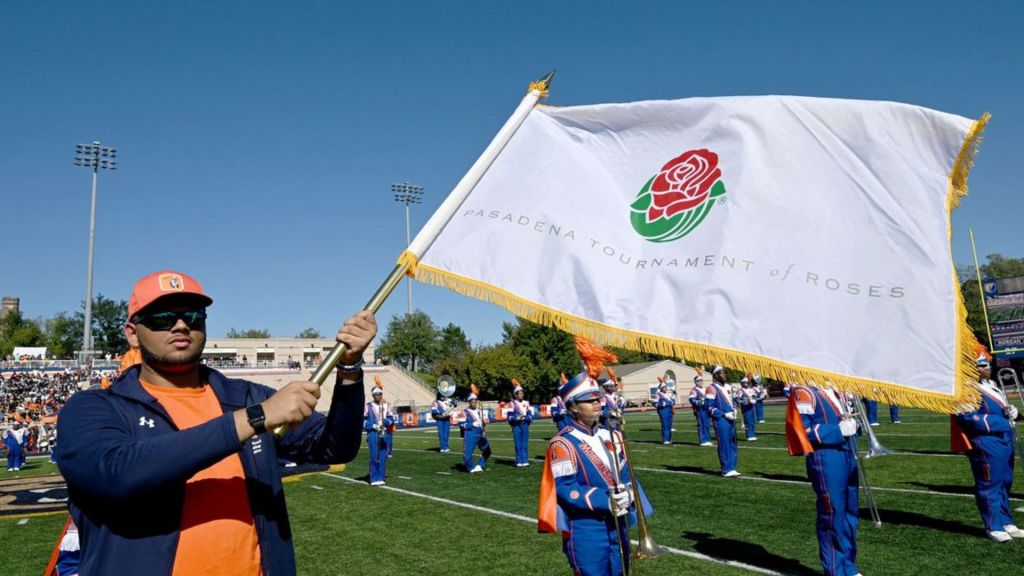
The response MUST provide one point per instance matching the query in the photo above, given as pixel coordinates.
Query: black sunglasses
(194, 319)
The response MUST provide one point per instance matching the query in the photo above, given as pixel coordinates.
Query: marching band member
(612, 404)
(377, 417)
(583, 497)
(748, 408)
(718, 399)
(761, 394)
(441, 411)
(699, 412)
(475, 422)
(894, 413)
(871, 410)
(520, 419)
(787, 389)
(14, 440)
(819, 425)
(666, 408)
(986, 435)
(559, 414)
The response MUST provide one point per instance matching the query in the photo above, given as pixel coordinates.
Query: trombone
(1011, 374)
(875, 449)
(646, 547)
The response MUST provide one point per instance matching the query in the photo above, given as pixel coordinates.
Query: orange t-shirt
(218, 536)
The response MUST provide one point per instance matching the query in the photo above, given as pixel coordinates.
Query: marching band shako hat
(157, 285)
(584, 386)
(661, 384)
(516, 386)
(613, 380)
(718, 368)
(700, 375)
(378, 386)
(982, 361)
(474, 393)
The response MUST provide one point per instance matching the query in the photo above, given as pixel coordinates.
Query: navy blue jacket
(126, 465)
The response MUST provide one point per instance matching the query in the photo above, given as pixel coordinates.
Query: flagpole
(458, 195)
(981, 291)
(537, 91)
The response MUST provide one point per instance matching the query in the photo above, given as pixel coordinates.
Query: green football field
(433, 518)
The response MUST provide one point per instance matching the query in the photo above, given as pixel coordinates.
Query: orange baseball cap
(151, 288)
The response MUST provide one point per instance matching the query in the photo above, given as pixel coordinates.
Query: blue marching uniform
(576, 502)
(760, 393)
(696, 400)
(718, 399)
(666, 407)
(559, 414)
(991, 454)
(813, 428)
(376, 419)
(13, 441)
(748, 407)
(474, 423)
(894, 413)
(520, 418)
(444, 423)
(871, 410)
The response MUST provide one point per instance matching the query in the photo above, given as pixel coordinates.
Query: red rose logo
(683, 183)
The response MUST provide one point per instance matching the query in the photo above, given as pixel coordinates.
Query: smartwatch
(257, 419)
(350, 368)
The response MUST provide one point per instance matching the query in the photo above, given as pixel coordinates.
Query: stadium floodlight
(96, 157)
(407, 194)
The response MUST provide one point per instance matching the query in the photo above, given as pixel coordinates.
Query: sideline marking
(676, 551)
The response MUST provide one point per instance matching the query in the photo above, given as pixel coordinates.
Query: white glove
(848, 426)
(1011, 412)
(730, 415)
(621, 501)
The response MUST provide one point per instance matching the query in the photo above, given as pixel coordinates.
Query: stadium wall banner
(805, 239)
(1004, 303)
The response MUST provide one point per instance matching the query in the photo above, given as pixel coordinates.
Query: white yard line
(752, 478)
(527, 519)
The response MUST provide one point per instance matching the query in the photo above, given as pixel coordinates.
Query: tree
(309, 333)
(16, 330)
(996, 266)
(259, 333)
(410, 339)
(452, 342)
(108, 319)
(63, 335)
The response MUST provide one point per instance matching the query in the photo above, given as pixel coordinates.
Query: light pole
(408, 194)
(92, 156)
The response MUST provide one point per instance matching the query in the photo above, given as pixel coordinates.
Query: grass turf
(764, 518)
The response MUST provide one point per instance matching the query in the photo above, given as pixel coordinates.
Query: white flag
(805, 239)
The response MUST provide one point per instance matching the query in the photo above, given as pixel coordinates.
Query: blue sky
(258, 140)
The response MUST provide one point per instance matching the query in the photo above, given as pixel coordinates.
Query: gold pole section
(334, 356)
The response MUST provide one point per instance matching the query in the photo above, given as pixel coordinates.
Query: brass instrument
(446, 388)
(875, 449)
(646, 547)
(1010, 374)
(615, 517)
